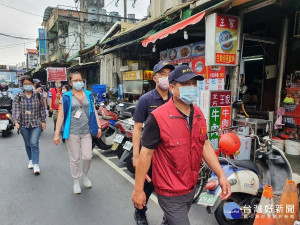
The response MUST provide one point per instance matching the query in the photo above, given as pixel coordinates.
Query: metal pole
(125, 10)
(234, 79)
(82, 8)
(281, 62)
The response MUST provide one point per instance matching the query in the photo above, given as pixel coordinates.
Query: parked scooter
(107, 131)
(127, 155)
(6, 124)
(243, 176)
(121, 137)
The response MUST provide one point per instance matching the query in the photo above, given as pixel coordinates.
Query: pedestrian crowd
(169, 137)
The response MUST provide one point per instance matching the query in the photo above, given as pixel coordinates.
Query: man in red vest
(54, 93)
(175, 138)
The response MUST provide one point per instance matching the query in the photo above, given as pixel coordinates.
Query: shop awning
(174, 28)
(89, 47)
(194, 19)
(80, 65)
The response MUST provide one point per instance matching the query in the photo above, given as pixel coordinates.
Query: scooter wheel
(120, 151)
(220, 217)
(4, 133)
(129, 163)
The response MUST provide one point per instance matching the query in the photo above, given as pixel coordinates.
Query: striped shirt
(28, 112)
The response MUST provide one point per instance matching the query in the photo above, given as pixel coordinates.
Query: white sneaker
(86, 181)
(30, 166)
(36, 169)
(76, 188)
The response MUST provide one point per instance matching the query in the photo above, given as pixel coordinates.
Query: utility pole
(125, 10)
(82, 8)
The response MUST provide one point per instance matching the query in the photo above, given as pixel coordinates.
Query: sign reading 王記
(221, 38)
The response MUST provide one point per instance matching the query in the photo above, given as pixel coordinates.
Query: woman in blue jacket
(79, 120)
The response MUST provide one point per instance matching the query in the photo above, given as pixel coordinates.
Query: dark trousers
(176, 208)
(148, 189)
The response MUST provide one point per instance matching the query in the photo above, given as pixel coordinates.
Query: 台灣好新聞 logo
(232, 211)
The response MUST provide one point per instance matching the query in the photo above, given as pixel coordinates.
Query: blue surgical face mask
(188, 94)
(78, 85)
(63, 91)
(28, 87)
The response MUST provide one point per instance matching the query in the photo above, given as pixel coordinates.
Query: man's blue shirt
(147, 103)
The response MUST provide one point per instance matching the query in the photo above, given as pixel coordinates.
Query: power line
(15, 45)
(21, 10)
(108, 4)
(17, 37)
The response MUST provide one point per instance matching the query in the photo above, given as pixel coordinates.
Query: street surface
(48, 199)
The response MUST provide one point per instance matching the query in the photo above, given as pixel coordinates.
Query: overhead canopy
(194, 19)
(89, 47)
(174, 28)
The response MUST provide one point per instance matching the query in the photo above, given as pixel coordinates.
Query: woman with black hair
(29, 117)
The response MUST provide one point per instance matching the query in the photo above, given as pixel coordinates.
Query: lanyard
(80, 100)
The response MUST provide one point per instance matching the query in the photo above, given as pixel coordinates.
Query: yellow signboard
(133, 75)
(138, 75)
(148, 74)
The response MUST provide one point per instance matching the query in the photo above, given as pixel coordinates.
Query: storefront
(264, 51)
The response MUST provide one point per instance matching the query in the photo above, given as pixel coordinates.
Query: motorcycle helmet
(3, 87)
(229, 143)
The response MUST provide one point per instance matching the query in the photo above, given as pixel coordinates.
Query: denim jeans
(31, 138)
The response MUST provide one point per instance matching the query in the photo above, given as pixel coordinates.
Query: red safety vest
(177, 159)
(53, 93)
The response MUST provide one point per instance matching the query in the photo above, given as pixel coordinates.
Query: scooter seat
(248, 164)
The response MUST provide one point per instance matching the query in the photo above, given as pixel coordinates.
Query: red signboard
(199, 67)
(56, 74)
(225, 117)
(223, 58)
(215, 72)
(229, 22)
(220, 98)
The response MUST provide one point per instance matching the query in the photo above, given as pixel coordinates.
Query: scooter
(243, 176)
(6, 125)
(107, 131)
(121, 137)
(127, 155)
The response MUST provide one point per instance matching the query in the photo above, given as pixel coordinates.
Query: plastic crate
(99, 88)
(295, 115)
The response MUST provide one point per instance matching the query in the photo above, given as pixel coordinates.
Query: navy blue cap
(161, 65)
(183, 74)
